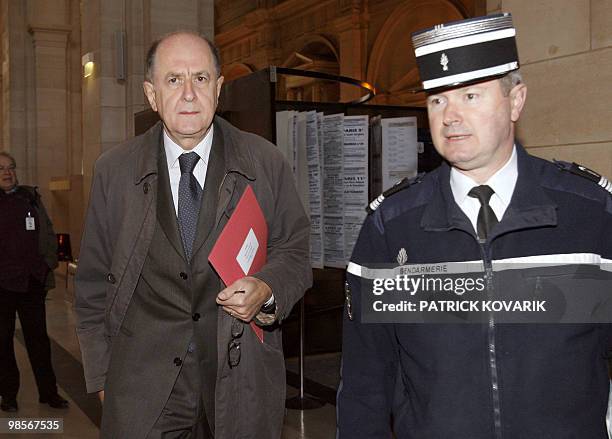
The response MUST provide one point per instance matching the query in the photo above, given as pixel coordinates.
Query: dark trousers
(31, 309)
(183, 416)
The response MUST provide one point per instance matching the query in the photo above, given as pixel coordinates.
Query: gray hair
(510, 80)
(8, 156)
(150, 60)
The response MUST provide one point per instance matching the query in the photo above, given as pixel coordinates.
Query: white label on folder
(247, 252)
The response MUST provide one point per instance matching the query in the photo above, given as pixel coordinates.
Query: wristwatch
(269, 307)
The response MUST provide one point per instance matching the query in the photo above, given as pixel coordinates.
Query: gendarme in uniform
(491, 380)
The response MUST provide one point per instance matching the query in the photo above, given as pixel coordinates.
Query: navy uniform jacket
(476, 381)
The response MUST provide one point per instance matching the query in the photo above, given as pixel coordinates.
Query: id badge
(30, 223)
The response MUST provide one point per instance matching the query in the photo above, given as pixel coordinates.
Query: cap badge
(444, 62)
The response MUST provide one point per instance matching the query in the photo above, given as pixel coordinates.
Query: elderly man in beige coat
(168, 348)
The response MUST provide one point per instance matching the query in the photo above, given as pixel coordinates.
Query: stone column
(15, 85)
(51, 107)
(3, 26)
(351, 30)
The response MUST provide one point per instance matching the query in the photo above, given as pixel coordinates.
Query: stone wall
(565, 47)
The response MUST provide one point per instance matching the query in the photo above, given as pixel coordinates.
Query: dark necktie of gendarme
(189, 196)
(486, 216)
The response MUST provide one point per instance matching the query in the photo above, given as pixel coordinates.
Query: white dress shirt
(173, 151)
(502, 182)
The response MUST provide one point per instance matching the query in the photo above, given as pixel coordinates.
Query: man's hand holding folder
(244, 298)
(239, 252)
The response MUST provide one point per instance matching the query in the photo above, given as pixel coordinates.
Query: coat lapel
(238, 165)
(214, 177)
(166, 214)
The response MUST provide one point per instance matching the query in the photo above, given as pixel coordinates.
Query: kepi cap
(466, 51)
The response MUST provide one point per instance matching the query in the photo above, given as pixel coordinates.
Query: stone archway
(316, 45)
(315, 53)
(392, 65)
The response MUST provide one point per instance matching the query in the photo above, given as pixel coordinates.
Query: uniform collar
(529, 206)
(502, 182)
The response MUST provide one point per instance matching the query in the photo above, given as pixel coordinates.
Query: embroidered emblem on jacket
(348, 299)
(402, 257)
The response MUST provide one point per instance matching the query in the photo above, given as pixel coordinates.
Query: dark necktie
(486, 216)
(189, 197)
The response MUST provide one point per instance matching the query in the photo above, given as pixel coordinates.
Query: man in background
(27, 259)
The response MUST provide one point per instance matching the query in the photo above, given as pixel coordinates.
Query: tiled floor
(81, 419)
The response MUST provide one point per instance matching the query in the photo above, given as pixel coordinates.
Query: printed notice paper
(333, 191)
(399, 150)
(313, 150)
(355, 178)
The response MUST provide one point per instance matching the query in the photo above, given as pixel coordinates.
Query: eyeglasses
(7, 168)
(233, 347)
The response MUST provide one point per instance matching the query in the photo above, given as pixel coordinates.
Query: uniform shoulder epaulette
(400, 185)
(587, 173)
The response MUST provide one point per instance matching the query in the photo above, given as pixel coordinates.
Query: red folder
(241, 248)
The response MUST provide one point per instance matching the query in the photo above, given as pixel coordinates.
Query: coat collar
(237, 155)
(529, 207)
(148, 152)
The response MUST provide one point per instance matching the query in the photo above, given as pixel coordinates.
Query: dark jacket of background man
(26, 254)
(27, 259)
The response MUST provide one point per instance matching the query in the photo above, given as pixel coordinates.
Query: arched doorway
(392, 65)
(315, 53)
